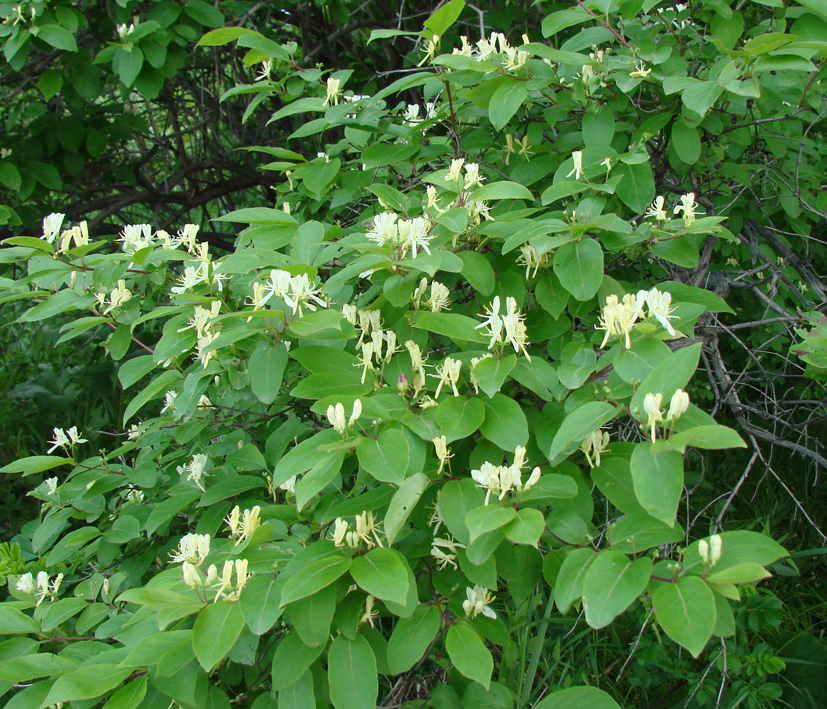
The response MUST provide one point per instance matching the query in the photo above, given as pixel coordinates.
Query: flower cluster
(439, 300)
(62, 438)
(405, 235)
(444, 551)
(687, 207)
(496, 48)
(531, 259)
(710, 552)
(448, 374)
(508, 328)
(336, 416)
(353, 536)
(594, 445)
(652, 404)
(192, 548)
(40, 587)
(296, 292)
(619, 317)
(501, 479)
(243, 525)
(476, 602)
(223, 585)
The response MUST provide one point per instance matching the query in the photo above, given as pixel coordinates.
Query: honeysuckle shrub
(442, 385)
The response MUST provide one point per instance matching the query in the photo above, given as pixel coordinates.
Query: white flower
(340, 528)
(336, 417)
(289, 485)
(639, 72)
(531, 259)
(493, 323)
(515, 331)
(440, 297)
(411, 114)
(687, 206)
(169, 402)
(472, 176)
(455, 171)
(577, 170)
(678, 405)
(476, 603)
(596, 443)
(431, 47)
(659, 304)
(192, 549)
(656, 210)
(441, 448)
(445, 552)
(51, 226)
(652, 408)
(191, 576)
(384, 229)
(51, 485)
(619, 318)
(448, 374)
(195, 469)
(118, 296)
(333, 92)
(25, 583)
(136, 237)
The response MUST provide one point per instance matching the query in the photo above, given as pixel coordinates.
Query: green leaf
(560, 20)
(299, 695)
(223, 35)
(505, 423)
(686, 141)
(15, 622)
(749, 572)
(291, 659)
(706, 437)
(578, 698)
(527, 528)
(699, 98)
(402, 504)
(443, 17)
(637, 531)
(658, 481)
(569, 585)
(491, 372)
(266, 369)
(459, 417)
(86, 683)
(381, 154)
(130, 65)
(506, 101)
(318, 478)
(35, 464)
(468, 653)
(58, 37)
(386, 458)
(260, 603)
(666, 378)
(158, 386)
(29, 667)
(613, 478)
(129, 696)
(487, 518)
(204, 13)
(459, 328)
(351, 668)
(382, 573)
(579, 266)
(311, 616)
(411, 637)
(686, 612)
(313, 577)
(501, 190)
(216, 630)
(478, 272)
(611, 584)
(577, 425)
(636, 188)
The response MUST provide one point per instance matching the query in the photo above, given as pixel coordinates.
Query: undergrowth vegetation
(471, 359)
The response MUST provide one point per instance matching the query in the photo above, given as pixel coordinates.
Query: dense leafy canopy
(408, 354)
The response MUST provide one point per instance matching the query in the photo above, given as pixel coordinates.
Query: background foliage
(114, 116)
